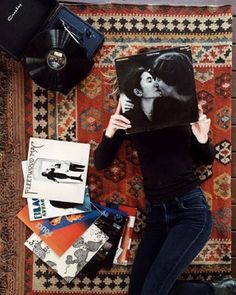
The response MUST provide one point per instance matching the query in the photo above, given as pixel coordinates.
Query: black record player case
(21, 20)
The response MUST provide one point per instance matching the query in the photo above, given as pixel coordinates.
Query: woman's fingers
(202, 117)
(117, 121)
(120, 118)
(128, 106)
(121, 126)
(208, 122)
(126, 103)
(201, 103)
(118, 108)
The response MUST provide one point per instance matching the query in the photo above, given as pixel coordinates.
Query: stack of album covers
(70, 232)
(59, 210)
(90, 241)
(72, 260)
(124, 254)
(113, 222)
(60, 232)
(66, 243)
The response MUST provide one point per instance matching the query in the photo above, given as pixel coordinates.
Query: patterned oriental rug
(28, 110)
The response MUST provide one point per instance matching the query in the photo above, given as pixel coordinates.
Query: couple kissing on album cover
(159, 89)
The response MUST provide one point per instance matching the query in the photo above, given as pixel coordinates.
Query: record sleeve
(111, 223)
(42, 209)
(157, 89)
(64, 235)
(56, 170)
(70, 263)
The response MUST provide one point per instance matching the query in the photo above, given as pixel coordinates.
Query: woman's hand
(126, 103)
(117, 121)
(201, 128)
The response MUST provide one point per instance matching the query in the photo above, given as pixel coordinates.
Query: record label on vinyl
(56, 61)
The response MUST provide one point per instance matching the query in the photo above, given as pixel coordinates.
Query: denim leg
(194, 288)
(189, 230)
(152, 240)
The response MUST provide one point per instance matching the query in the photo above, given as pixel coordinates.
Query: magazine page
(59, 233)
(70, 263)
(56, 170)
(157, 89)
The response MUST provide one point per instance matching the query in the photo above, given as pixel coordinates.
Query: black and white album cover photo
(157, 89)
(56, 170)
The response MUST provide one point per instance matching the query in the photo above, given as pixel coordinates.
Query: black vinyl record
(56, 61)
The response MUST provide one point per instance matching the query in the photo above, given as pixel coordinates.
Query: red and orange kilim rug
(28, 110)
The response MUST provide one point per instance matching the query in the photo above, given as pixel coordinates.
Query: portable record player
(21, 21)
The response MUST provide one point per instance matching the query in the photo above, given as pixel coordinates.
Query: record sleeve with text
(56, 170)
(124, 255)
(42, 209)
(59, 233)
(73, 260)
(111, 222)
(157, 89)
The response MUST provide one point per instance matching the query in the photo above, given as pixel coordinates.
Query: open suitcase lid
(20, 21)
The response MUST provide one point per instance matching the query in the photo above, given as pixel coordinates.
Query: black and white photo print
(157, 89)
(56, 170)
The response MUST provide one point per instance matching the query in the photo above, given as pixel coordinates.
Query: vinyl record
(56, 61)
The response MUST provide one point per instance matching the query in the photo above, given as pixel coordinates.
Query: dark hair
(64, 205)
(175, 69)
(147, 49)
(132, 81)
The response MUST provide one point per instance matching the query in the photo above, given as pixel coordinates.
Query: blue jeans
(176, 232)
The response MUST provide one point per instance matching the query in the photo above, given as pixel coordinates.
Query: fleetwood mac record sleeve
(56, 170)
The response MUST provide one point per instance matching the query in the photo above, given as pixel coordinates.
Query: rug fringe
(4, 88)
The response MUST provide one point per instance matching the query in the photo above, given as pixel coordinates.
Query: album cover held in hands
(157, 89)
(70, 263)
(56, 170)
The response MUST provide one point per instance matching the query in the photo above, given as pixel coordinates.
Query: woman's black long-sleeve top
(168, 159)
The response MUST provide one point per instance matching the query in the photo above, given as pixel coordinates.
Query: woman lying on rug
(179, 221)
